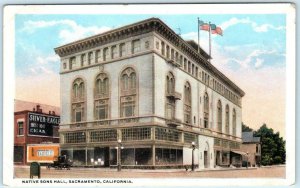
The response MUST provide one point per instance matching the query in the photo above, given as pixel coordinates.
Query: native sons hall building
(144, 89)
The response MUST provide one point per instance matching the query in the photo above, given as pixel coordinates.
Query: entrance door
(106, 156)
(205, 159)
(218, 158)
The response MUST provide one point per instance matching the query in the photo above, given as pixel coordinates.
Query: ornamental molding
(142, 27)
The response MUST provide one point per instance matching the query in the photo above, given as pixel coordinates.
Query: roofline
(92, 40)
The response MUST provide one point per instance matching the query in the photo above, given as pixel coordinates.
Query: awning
(239, 152)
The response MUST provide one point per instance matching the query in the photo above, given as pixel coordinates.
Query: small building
(252, 147)
(33, 124)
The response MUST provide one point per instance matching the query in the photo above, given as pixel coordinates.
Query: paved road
(264, 172)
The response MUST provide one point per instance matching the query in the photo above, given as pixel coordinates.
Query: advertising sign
(42, 153)
(42, 125)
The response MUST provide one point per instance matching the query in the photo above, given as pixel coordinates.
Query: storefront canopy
(238, 152)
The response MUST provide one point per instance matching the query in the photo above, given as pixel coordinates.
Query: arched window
(233, 122)
(219, 116)
(227, 120)
(78, 100)
(128, 93)
(101, 97)
(170, 101)
(206, 110)
(170, 82)
(187, 103)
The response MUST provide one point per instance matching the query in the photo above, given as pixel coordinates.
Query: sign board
(42, 153)
(42, 125)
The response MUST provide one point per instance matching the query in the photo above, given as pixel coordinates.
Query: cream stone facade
(144, 85)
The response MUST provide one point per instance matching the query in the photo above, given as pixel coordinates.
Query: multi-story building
(34, 124)
(145, 86)
(251, 145)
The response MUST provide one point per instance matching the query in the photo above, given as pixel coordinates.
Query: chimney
(33, 109)
(38, 109)
(53, 112)
(49, 112)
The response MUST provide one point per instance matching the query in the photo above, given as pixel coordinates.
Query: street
(263, 172)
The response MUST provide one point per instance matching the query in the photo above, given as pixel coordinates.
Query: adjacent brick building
(252, 147)
(33, 124)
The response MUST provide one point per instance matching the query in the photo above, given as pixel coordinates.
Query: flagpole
(209, 41)
(198, 37)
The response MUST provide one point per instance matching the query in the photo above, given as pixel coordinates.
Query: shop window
(75, 137)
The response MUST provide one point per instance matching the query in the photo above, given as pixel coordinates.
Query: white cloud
(73, 32)
(251, 57)
(256, 27)
(43, 64)
(48, 59)
(258, 63)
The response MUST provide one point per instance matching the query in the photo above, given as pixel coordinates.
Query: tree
(245, 128)
(272, 146)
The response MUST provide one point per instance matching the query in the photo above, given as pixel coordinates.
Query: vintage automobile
(62, 162)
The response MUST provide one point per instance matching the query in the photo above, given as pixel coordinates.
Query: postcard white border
(9, 78)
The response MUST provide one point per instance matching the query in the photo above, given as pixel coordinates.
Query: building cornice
(145, 26)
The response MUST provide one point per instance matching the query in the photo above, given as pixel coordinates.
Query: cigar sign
(42, 125)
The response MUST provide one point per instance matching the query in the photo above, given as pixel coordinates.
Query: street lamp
(193, 148)
(119, 147)
(247, 158)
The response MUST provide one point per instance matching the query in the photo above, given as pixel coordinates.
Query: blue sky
(251, 52)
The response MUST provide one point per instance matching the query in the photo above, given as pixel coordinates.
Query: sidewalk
(146, 170)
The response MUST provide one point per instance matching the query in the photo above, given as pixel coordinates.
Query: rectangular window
(20, 128)
(77, 116)
(127, 106)
(122, 50)
(104, 135)
(162, 48)
(98, 56)
(185, 67)
(82, 60)
(168, 52)
(90, 58)
(105, 54)
(136, 46)
(167, 134)
(189, 138)
(114, 52)
(136, 133)
(72, 62)
(75, 137)
(101, 109)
